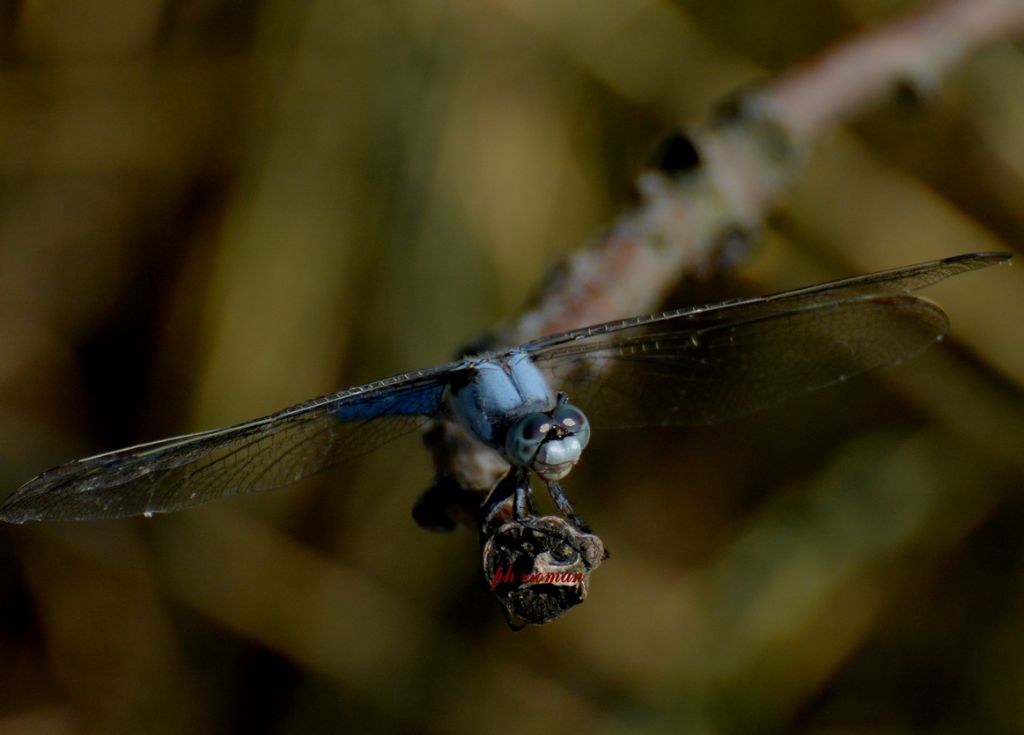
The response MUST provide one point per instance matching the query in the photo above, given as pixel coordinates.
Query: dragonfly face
(550, 443)
(683, 367)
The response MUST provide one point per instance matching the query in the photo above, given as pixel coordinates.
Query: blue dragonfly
(688, 366)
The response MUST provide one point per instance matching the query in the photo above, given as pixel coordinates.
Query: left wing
(262, 454)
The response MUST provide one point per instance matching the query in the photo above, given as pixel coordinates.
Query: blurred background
(212, 209)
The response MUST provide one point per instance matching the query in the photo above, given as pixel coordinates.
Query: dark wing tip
(18, 506)
(980, 260)
(59, 494)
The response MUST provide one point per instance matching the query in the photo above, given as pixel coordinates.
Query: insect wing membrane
(262, 454)
(711, 363)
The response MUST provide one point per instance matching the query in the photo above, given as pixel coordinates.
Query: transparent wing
(177, 473)
(704, 376)
(714, 363)
(895, 282)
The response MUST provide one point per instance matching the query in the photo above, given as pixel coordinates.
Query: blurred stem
(696, 213)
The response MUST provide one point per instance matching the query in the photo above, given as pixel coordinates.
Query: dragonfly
(533, 407)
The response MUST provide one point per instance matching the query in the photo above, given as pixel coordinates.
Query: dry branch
(744, 159)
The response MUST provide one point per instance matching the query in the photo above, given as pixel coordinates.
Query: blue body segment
(484, 396)
(499, 391)
(422, 401)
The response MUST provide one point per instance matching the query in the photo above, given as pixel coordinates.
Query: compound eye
(534, 427)
(573, 421)
(525, 438)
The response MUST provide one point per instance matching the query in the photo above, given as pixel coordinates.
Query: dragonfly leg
(565, 507)
(524, 503)
(511, 499)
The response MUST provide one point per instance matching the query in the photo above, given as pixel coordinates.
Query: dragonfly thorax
(506, 403)
(495, 393)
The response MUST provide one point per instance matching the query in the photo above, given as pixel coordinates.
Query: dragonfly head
(550, 443)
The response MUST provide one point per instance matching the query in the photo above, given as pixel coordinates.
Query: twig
(715, 186)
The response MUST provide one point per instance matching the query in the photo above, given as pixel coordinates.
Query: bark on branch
(716, 184)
